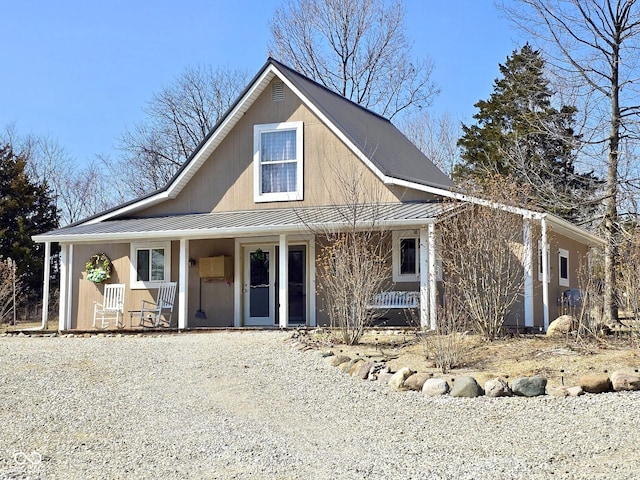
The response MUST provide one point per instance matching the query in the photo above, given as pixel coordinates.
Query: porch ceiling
(253, 222)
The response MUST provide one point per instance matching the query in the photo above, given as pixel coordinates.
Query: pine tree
(520, 135)
(26, 209)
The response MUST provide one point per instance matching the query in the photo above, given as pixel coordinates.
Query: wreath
(98, 268)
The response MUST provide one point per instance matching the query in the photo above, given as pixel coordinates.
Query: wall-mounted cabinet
(220, 267)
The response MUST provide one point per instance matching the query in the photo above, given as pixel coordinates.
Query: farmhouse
(233, 239)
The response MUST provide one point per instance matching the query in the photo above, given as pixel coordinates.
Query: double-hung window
(277, 159)
(150, 264)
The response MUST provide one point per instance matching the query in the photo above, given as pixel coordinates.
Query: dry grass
(559, 359)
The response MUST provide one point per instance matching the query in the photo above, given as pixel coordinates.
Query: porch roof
(251, 222)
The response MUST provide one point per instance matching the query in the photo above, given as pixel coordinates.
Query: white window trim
(133, 277)
(562, 253)
(258, 196)
(548, 262)
(397, 237)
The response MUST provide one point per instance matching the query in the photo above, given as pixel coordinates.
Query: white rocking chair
(155, 313)
(112, 306)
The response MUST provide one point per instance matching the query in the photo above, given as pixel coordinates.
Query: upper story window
(277, 162)
(150, 264)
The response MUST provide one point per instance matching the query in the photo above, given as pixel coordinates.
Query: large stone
(595, 383)
(529, 386)
(376, 370)
(434, 387)
(355, 367)
(561, 325)
(622, 380)
(398, 378)
(497, 387)
(466, 387)
(416, 381)
(363, 369)
(346, 367)
(336, 360)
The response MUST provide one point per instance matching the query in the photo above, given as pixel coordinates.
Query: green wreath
(98, 268)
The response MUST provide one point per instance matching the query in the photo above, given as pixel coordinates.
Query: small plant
(447, 345)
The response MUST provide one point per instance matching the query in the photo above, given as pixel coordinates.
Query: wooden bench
(395, 299)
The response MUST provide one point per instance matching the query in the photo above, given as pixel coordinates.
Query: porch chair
(153, 313)
(112, 306)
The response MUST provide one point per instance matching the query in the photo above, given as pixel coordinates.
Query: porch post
(312, 281)
(183, 284)
(237, 283)
(528, 272)
(45, 288)
(545, 273)
(64, 284)
(433, 279)
(423, 259)
(283, 283)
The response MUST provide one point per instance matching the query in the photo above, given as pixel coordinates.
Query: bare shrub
(353, 268)
(483, 259)
(10, 289)
(447, 345)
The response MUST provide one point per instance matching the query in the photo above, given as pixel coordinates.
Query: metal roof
(252, 222)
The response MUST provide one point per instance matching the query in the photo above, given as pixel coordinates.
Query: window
(406, 256)
(150, 264)
(563, 267)
(540, 262)
(277, 160)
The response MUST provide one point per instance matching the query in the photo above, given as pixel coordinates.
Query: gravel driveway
(245, 405)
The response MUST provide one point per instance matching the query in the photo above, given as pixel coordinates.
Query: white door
(259, 286)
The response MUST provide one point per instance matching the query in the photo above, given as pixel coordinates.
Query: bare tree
(10, 289)
(79, 191)
(435, 136)
(357, 48)
(178, 118)
(595, 43)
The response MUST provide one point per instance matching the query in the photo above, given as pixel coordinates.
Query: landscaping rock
(416, 381)
(336, 360)
(561, 325)
(355, 367)
(346, 367)
(398, 378)
(529, 386)
(363, 369)
(434, 387)
(575, 391)
(466, 387)
(385, 377)
(376, 370)
(497, 387)
(625, 381)
(595, 383)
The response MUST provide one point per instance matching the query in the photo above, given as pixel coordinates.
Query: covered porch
(264, 288)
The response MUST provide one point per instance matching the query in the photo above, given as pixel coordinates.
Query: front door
(259, 286)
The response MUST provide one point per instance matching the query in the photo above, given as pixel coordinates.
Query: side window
(406, 256)
(150, 264)
(563, 267)
(277, 160)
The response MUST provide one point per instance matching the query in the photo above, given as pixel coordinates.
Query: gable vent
(277, 91)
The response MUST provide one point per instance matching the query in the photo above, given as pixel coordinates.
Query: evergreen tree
(519, 134)
(26, 209)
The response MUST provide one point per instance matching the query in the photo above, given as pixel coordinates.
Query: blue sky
(81, 71)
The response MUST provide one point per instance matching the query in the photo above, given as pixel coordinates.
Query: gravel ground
(236, 405)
